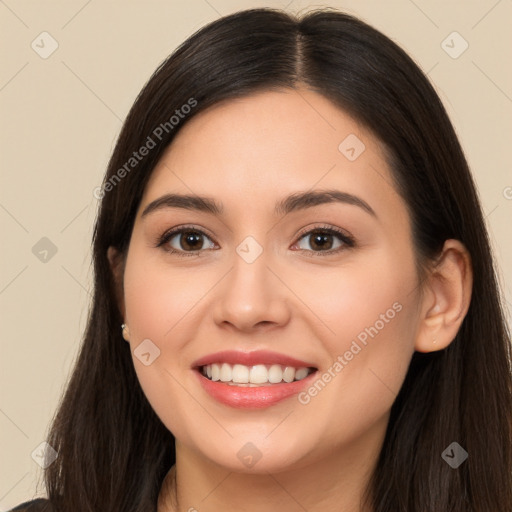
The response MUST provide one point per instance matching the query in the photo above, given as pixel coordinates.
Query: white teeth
(301, 373)
(275, 374)
(289, 374)
(257, 374)
(226, 373)
(240, 374)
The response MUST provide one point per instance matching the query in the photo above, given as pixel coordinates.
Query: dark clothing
(37, 505)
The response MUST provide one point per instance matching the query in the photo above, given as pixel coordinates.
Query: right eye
(190, 239)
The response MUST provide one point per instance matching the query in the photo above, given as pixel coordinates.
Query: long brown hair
(113, 450)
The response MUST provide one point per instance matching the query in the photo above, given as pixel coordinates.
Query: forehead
(259, 148)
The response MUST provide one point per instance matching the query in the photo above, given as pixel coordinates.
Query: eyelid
(325, 228)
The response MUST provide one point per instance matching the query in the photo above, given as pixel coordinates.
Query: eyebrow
(294, 202)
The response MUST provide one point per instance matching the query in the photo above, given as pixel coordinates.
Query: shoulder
(37, 505)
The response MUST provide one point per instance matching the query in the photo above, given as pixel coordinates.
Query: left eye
(321, 240)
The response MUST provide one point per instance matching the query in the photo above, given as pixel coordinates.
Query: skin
(248, 154)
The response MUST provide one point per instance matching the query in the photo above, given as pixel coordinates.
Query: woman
(292, 248)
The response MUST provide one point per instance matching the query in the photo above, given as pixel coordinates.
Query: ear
(446, 298)
(117, 261)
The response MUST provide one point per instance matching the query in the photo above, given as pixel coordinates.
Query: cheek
(158, 297)
(368, 314)
(372, 311)
(367, 298)
(162, 307)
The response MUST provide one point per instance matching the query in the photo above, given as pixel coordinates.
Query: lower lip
(260, 397)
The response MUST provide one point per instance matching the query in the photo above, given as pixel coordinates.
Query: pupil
(191, 239)
(318, 238)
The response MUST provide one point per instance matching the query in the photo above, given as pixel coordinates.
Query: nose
(253, 297)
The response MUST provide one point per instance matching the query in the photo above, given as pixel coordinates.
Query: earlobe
(125, 332)
(446, 298)
(116, 261)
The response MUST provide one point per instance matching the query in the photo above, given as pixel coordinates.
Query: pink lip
(259, 397)
(251, 359)
(252, 398)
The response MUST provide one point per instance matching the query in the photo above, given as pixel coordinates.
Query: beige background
(61, 116)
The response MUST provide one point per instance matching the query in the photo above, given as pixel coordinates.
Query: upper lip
(251, 358)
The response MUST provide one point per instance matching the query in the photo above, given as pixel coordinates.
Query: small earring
(434, 341)
(125, 329)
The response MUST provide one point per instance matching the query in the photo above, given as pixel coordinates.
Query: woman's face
(265, 289)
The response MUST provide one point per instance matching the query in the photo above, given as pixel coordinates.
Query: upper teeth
(258, 374)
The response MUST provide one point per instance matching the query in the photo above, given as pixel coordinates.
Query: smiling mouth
(258, 375)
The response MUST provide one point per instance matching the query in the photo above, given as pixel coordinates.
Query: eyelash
(348, 241)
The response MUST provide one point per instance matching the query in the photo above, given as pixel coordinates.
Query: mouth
(252, 380)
